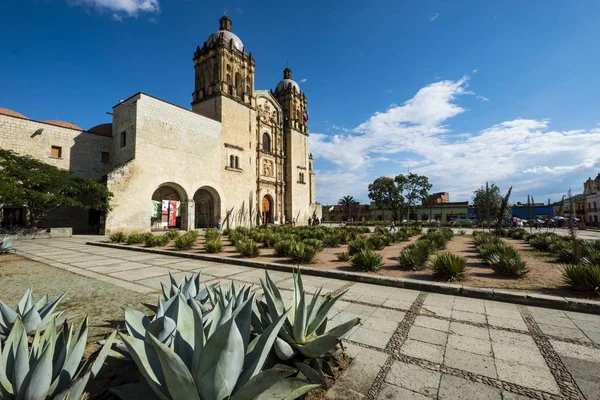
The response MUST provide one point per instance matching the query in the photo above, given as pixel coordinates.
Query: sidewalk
(411, 344)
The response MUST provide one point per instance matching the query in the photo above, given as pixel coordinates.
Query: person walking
(392, 225)
(219, 225)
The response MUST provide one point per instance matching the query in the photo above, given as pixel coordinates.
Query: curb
(525, 298)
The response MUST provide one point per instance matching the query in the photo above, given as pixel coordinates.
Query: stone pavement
(410, 344)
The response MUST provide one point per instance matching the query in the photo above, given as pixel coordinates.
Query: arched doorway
(208, 207)
(169, 208)
(267, 210)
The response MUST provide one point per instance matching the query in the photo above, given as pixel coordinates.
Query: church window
(237, 162)
(239, 82)
(266, 142)
(248, 85)
(105, 157)
(56, 152)
(123, 139)
(231, 161)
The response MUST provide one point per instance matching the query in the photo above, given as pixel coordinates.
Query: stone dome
(63, 124)
(228, 36)
(11, 113)
(102, 130)
(225, 30)
(287, 81)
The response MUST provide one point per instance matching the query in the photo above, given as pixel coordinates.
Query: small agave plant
(49, 368)
(35, 316)
(304, 330)
(208, 357)
(7, 244)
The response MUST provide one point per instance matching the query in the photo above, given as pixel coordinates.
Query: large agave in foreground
(189, 288)
(35, 316)
(51, 368)
(209, 357)
(305, 327)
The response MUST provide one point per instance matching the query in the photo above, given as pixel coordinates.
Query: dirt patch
(10, 257)
(100, 301)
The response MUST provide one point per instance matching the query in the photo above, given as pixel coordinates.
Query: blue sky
(460, 91)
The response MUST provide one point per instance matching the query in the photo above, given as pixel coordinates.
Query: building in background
(239, 154)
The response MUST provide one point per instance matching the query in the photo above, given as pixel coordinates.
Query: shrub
(270, 238)
(332, 240)
(136, 238)
(356, 245)
(156, 240)
(377, 242)
(172, 234)
(235, 237)
(304, 253)
(213, 246)
(248, 248)
(402, 235)
(414, 257)
(583, 278)
(462, 232)
(212, 233)
(508, 262)
(283, 248)
(518, 233)
(450, 267)
(316, 243)
(185, 241)
(344, 256)
(367, 260)
(117, 237)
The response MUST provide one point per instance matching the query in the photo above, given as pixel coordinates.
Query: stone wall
(297, 192)
(81, 151)
(173, 147)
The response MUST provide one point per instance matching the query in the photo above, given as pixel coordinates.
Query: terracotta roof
(11, 113)
(102, 130)
(63, 124)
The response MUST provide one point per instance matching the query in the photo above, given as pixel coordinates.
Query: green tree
(42, 187)
(346, 202)
(399, 194)
(487, 201)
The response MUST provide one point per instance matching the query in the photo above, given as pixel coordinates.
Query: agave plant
(35, 316)
(7, 244)
(211, 358)
(304, 329)
(51, 367)
(189, 288)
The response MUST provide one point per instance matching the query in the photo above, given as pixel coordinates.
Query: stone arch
(169, 215)
(208, 207)
(267, 209)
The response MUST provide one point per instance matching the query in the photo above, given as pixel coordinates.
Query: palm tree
(346, 202)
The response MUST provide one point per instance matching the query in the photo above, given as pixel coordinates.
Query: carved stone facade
(239, 156)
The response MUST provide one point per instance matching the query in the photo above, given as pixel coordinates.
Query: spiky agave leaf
(52, 367)
(304, 329)
(34, 315)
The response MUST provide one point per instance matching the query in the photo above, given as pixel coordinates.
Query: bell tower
(297, 168)
(293, 102)
(222, 68)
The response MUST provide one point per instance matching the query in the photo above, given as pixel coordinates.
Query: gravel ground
(101, 301)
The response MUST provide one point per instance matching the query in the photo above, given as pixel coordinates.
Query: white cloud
(121, 8)
(482, 98)
(434, 17)
(523, 152)
(303, 80)
(475, 71)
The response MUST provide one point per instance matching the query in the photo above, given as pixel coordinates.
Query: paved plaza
(410, 344)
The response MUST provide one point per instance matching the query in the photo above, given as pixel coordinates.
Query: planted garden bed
(545, 272)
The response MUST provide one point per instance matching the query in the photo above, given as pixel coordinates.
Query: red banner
(172, 213)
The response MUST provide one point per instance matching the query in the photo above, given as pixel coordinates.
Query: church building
(239, 155)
